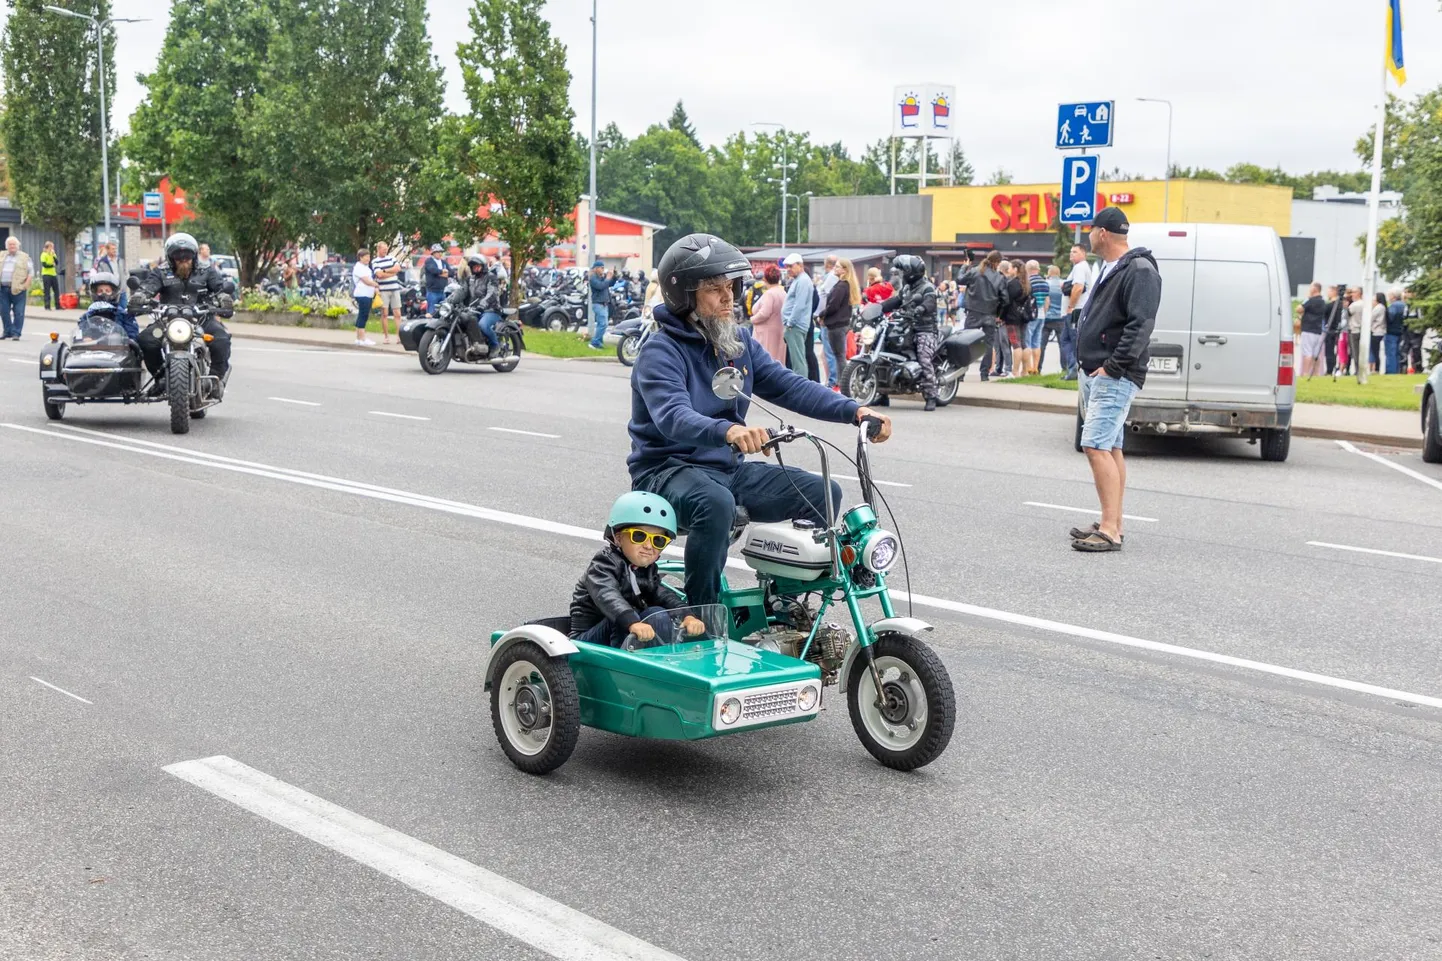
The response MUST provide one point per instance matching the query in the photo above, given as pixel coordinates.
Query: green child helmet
(642, 507)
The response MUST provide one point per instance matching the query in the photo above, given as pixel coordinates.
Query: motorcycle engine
(828, 649)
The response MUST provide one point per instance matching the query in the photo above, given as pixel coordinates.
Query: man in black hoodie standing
(1112, 338)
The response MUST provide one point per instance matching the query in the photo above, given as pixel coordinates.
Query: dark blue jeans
(1068, 343)
(1390, 343)
(12, 310)
(601, 313)
(489, 320)
(705, 500)
(611, 635)
(433, 300)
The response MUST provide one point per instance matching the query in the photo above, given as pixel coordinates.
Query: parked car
(1221, 353)
(227, 265)
(1432, 417)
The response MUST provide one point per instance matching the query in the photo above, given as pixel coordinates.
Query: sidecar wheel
(911, 725)
(535, 709)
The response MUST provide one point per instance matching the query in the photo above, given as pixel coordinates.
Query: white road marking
(530, 433)
(1370, 550)
(1085, 510)
(536, 523)
(847, 477)
(60, 689)
(1348, 446)
(287, 400)
(525, 915)
(386, 413)
(294, 350)
(23, 360)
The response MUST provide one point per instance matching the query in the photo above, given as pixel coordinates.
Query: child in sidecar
(621, 594)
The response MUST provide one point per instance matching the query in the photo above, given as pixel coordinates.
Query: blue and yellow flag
(1394, 41)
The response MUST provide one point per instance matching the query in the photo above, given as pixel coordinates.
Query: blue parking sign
(1079, 189)
(1084, 125)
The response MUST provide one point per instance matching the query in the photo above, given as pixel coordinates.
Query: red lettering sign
(1002, 220)
(1031, 212)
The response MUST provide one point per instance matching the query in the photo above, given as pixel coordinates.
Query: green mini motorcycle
(761, 658)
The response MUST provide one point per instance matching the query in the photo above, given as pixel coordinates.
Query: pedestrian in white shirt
(364, 291)
(1078, 289)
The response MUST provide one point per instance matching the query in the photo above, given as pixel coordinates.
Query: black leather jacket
(161, 285)
(917, 305)
(478, 292)
(613, 590)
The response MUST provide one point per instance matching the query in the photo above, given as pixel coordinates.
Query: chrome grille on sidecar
(778, 703)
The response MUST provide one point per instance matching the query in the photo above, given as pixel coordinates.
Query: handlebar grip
(873, 426)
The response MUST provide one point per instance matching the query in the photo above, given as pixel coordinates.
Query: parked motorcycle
(887, 364)
(441, 339)
(633, 333)
(413, 301)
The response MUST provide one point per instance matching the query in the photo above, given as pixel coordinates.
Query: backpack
(753, 297)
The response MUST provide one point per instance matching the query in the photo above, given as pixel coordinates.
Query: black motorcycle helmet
(692, 259)
(181, 246)
(911, 267)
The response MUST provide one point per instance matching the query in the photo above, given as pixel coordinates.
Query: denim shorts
(1106, 401)
(1033, 336)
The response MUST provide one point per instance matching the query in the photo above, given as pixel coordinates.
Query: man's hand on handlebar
(748, 440)
(884, 433)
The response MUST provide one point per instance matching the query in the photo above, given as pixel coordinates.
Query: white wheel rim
(630, 347)
(433, 352)
(525, 705)
(947, 391)
(892, 726)
(863, 384)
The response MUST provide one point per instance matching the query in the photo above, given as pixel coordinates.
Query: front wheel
(1431, 434)
(557, 318)
(178, 374)
(535, 709)
(54, 411)
(509, 347)
(628, 348)
(434, 353)
(858, 381)
(909, 723)
(946, 393)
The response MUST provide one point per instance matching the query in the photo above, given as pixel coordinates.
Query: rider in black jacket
(479, 295)
(180, 280)
(916, 303)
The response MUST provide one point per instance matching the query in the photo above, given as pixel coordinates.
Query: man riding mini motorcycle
(686, 443)
(916, 305)
(179, 280)
(479, 294)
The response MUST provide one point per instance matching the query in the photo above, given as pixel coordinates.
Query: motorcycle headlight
(806, 697)
(868, 335)
(879, 552)
(730, 711)
(179, 332)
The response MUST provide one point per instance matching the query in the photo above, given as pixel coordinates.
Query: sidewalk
(1392, 428)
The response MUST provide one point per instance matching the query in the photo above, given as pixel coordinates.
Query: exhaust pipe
(952, 377)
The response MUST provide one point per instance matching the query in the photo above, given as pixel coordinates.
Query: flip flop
(1096, 543)
(1078, 533)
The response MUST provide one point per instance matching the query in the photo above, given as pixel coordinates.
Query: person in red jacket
(877, 289)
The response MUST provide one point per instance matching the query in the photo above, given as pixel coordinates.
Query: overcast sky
(1289, 82)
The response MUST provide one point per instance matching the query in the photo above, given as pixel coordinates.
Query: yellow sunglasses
(638, 536)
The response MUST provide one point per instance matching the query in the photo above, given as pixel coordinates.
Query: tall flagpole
(1369, 278)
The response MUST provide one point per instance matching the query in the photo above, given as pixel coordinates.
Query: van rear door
(1175, 248)
(1236, 316)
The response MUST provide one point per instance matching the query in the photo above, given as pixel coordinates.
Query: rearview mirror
(132, 283)
(727, 383)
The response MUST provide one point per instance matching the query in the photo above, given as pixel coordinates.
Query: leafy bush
(336, 310)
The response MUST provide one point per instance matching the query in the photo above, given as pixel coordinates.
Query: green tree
(1000, 177)
(51, 120)
(352, 96)
(877, 157)
(681, 123)
(663, 177)
(195, 123)
(515, 147)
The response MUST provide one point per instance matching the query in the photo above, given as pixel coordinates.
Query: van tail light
(1284, 365)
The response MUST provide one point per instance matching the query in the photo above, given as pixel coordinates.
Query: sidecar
(544, 686)
(98, 365)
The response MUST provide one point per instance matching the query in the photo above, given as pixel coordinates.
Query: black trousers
(52, 286)
(987, 325)
(813, 369)
(219, 347)
(1330, 347)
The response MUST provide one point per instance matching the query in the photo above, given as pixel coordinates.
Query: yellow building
(978, 214)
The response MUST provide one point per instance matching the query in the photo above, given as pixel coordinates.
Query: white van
(1221, 353)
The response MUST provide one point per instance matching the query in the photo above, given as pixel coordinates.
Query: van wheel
(1431, 433)
(1276, 443)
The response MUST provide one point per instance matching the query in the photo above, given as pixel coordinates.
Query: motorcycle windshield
(99, 330)
(683, 625)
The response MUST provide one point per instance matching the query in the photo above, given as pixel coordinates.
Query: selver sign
(1034, 212)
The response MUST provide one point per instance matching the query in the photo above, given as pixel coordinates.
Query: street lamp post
(100, 26)
(1167, 189)
(797, 198)
(785, 179)
(591, 207)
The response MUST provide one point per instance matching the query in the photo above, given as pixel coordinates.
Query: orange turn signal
(208, 337)
(54, 337)
(848, 555)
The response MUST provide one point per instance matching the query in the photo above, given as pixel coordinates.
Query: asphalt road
(307, 588)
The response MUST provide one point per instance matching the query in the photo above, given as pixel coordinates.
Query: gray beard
(721, 333)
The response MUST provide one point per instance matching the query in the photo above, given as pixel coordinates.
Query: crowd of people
(1331, 323)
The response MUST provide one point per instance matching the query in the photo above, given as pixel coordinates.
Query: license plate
(1164, 365)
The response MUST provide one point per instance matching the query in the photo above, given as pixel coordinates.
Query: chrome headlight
(807, 697)
(730, 711)
(879, 551)
(180, 332)
(47, 360)
(868, 336)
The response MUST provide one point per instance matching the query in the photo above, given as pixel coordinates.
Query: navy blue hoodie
(676, 419)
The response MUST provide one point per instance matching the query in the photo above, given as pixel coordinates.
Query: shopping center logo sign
(910, 111)
(941, 113)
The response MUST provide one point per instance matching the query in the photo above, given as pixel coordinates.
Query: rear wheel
(535, 709)
(177, 391)
(1276, 442)
(53, 410)
(509, 348)
(909, 723)
(946, 393)
(858, 381)
(557, 318)
(1431, 432)
(434, 353)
